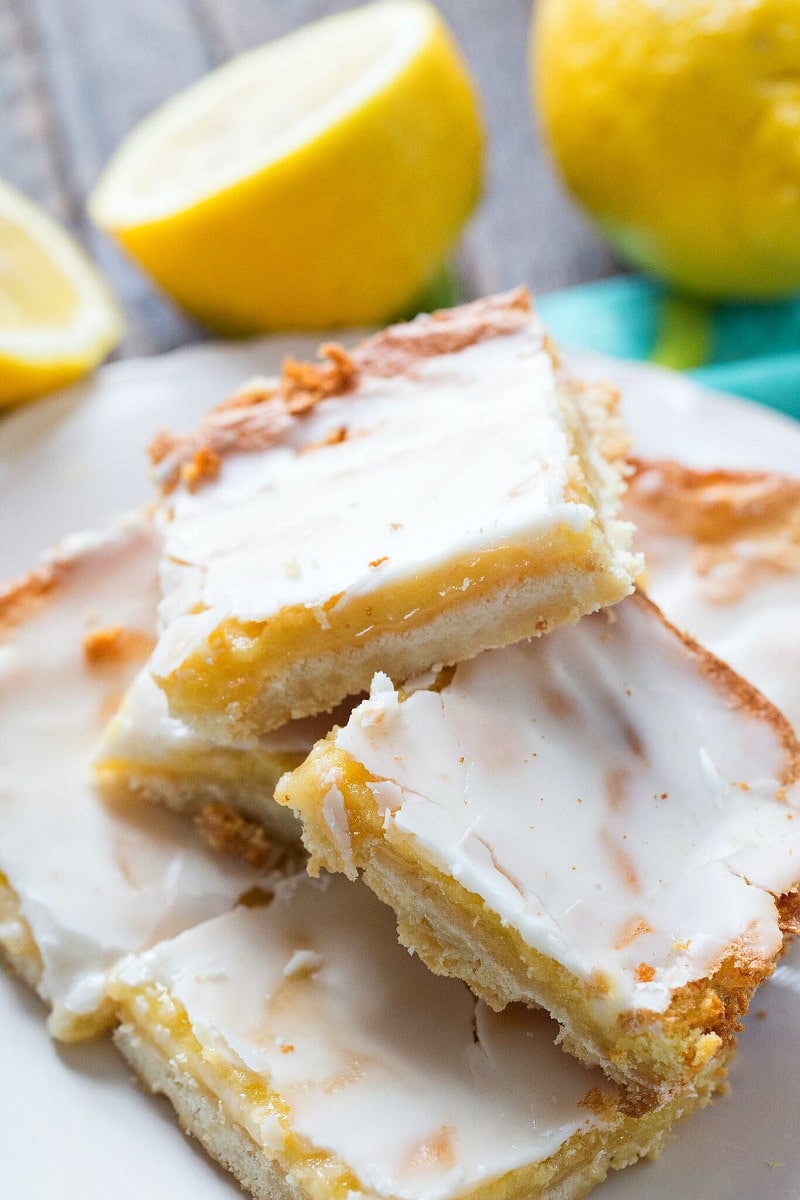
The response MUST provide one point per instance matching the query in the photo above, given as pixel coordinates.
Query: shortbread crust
(314, 1058)
(82, 883)
(723, 562)
(440, 490)
(573, 822)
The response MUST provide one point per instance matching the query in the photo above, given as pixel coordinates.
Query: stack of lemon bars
(396, 602)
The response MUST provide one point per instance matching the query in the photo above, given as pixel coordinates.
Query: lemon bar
(605, 822)
(723, 561)
(145, 752)
(440, 490)
(315, 1059)
(82, 883)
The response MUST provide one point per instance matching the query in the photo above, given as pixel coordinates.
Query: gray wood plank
(526, 230)
(103, 67)
(109, 65)
(30, 156)
(77, 75)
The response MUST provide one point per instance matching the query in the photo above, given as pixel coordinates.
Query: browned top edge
(735, 688)
(712, 505)
(399, 347)
(255, 417)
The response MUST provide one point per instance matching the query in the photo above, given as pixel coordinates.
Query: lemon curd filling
(240, 655)
(212, 766)
(166, 1022)
(247, 1097)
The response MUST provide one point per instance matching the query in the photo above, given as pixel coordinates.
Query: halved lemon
(318, 180)
(57, 318)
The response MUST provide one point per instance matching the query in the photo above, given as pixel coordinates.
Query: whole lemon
(676, 123)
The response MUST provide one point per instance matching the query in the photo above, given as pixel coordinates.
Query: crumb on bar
(116, 644)
(21, 598)
(303, 385)
(203, 468)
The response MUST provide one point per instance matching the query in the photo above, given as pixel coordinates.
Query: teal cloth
(750, 350)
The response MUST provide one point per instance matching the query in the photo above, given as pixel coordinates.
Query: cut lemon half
(318, 180)
(57, 318)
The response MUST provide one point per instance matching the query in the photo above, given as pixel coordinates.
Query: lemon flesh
(57, 319)
(677, 126)
(318, 180)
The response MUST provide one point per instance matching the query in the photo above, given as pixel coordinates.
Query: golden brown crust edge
(255, 417)
(744, 695)
(713, 505)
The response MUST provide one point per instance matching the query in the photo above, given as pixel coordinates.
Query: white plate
(71, 1121)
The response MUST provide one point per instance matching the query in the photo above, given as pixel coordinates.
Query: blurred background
(77, 75)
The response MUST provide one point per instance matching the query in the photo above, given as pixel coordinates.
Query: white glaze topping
(300, 522)
(600, 794)
(414, 1085)
(738, 593)
(92, 883)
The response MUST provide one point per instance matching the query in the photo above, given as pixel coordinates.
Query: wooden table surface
(77, 75)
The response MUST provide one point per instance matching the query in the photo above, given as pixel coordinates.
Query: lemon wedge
(318, 180)
(57, 318)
